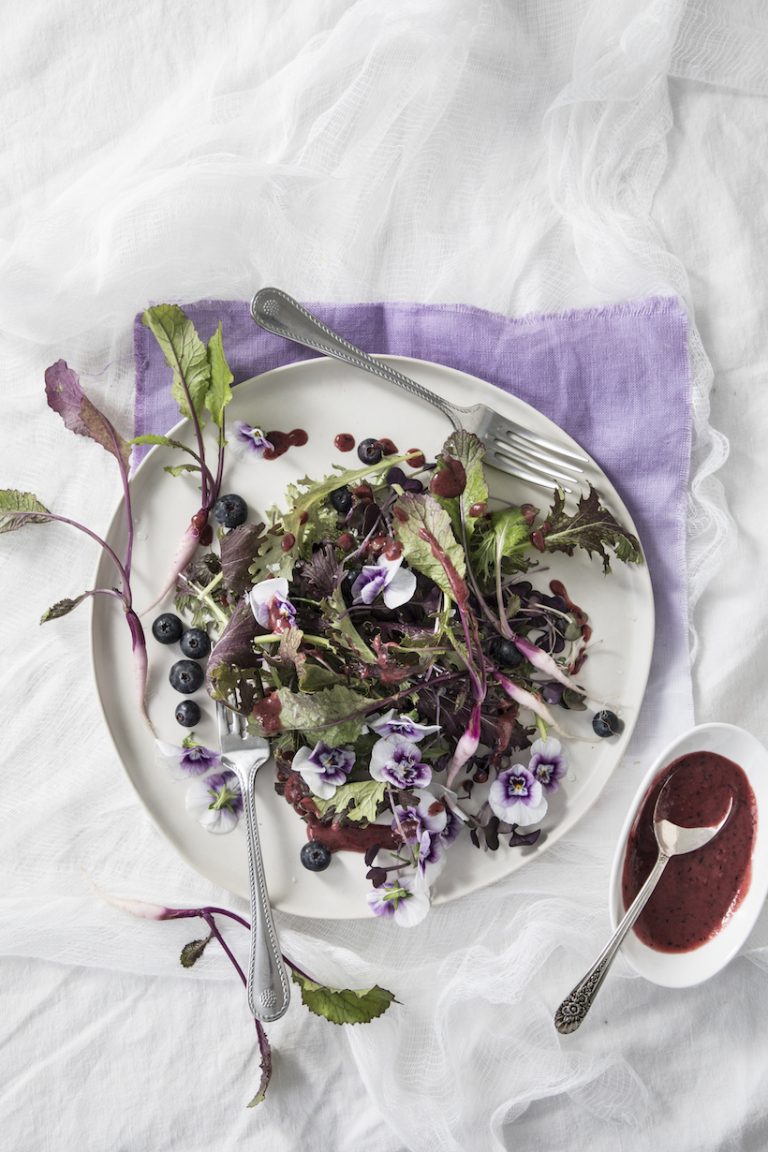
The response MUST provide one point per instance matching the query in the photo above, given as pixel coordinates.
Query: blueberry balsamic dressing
(344, 441)
(282, 441)
(699, 890)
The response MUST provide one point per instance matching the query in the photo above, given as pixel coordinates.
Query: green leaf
(468, 450)
(508, 535)
(219, 394)
(343, 1005)
(358, 801)
(20, 508)
(62, 608)
(308, 712)
(179, 469)
(185, 354)
(591, 527)
(429, 545)
(340, 623)
(159, 441)
(192, 952)
(313, 677)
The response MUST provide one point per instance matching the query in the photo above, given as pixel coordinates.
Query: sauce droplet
(344, 441)
(450, 480)
(416, 458)
(282, 441)
(388, 447)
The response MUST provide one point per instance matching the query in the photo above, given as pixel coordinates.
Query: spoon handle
(580, 999)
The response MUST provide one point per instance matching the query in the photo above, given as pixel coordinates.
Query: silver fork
(268, 986)
(508, 446)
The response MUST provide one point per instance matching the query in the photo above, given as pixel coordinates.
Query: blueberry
(315, 856)
(186, 676)
(606, 723)
(369, 451)
(230, 511)
(505, 652)
(341, 499)
(167, 628)
(195, 643)
(187, 713)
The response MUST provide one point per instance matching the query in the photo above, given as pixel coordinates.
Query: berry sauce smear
(700, 890)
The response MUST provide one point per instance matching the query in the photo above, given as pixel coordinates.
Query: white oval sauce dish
(707, 902)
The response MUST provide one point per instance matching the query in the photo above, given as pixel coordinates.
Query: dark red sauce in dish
(344, 441)
(699, 890)
(282, 441)
(388, 447)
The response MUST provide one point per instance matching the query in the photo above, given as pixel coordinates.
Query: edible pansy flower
(548, 763)
(216, 802)
(453, 826)
(271, 606)
(404, 900)
(394, 724)
(398, 761)
(422, 825)
(252, 439)
(189, 758)
(396, 585)
(517, 797)
(323, 768)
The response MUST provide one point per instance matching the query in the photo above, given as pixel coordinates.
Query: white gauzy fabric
(518, 157)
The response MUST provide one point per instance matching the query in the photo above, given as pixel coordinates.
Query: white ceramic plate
(683, 969)
(326, 398)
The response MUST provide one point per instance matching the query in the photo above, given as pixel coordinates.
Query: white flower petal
(400, 588)
(262, 594)
(316, 784)
(219, 821)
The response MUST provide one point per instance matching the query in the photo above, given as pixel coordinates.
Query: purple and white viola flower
(393, 723)
(517, 797)
(548, 763)
(271, 606)
(422, 825)
(398, 761)
(396, 584)
(251, 439)
(453, 826)
(404, 900)
(216, 802)
(188, 759)
(323, 768)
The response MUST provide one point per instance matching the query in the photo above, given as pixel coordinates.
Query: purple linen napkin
(615, 378)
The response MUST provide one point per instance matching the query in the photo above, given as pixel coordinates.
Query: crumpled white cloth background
(517, 157)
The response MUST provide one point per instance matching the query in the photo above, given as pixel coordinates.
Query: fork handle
(279, 313)
(268, 988)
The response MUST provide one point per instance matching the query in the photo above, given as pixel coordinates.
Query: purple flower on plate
(324, 768)
(453, 826)
(396, 585)
(548, 763)
(188, 759)
(517, 797)
(216, 802)
(271, 606)
(395, 724)
(404, 900)
(398, 761)
(423, 825)
(253, 439)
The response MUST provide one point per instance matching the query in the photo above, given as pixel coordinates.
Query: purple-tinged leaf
(63, 608)
(20, 508)
(239, 549)
(80, 415)
(192, 952)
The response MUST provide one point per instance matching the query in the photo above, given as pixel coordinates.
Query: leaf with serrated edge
(358, 801)
(20, 508)
(591, 527)
(307, 711)
(62, 608)
(343, 1005)
(184, 353)
(429, 545)
(469, 451)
